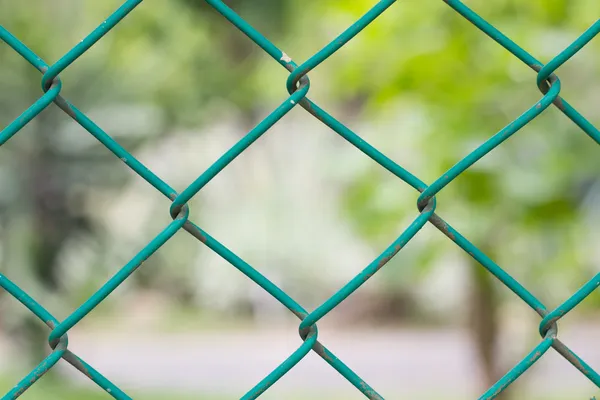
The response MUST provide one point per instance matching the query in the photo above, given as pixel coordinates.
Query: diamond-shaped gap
(277, 153)
(289, 173)
(351, 42)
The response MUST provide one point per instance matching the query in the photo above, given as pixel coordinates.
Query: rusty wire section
(298, 86)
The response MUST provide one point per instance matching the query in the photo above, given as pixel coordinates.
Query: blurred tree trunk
(484, 320)
(48, 190)
(48, 208)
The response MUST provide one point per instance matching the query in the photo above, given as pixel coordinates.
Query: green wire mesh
(298, 86)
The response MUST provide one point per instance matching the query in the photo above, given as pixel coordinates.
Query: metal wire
(298, 86)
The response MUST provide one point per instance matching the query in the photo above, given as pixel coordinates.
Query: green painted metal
(298, 86)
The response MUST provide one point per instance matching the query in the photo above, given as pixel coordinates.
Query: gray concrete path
(398, 363)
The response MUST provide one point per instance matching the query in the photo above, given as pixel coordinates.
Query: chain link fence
(298, 86)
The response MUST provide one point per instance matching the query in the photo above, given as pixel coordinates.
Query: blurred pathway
(399, 363)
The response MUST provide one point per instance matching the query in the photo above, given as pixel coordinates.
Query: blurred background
(177, 86)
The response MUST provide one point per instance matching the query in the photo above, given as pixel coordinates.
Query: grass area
(51, 387)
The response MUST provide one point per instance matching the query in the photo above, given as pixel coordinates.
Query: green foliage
(452, 86)
(442, 86)
(429, 59)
